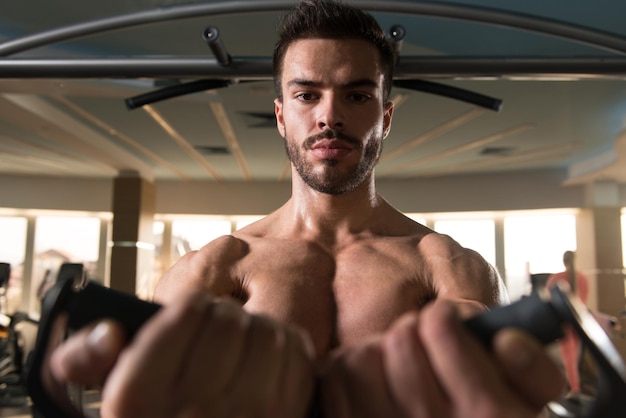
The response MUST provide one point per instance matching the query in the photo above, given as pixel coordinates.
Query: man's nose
(331, 114)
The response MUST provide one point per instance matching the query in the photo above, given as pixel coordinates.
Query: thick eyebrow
(364, 82)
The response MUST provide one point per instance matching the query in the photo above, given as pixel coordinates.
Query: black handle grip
(531, 314)
(95, 302)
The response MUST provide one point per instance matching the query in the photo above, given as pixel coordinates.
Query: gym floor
(20, 412)
(91, 402)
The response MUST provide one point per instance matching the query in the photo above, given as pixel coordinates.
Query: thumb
(528, 367)
(87, 356)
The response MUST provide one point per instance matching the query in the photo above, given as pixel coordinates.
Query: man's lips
(331, 149)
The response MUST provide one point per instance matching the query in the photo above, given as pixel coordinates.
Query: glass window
(145, 287)
(192, 234)
(243, 222)
(417, 218)
(476, 234)
(60, 239)
(535, 243)
(12, 248)
(623, 222)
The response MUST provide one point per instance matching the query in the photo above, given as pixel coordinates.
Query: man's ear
(278, 112)
(387, 116)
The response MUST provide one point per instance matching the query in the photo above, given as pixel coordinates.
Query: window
(64, 239)
(12, 248)
(242, 222)
(192, 234)
(623, 222)
(476, 234)
(535, 243)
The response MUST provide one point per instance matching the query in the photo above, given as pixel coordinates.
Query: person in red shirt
(569, 345)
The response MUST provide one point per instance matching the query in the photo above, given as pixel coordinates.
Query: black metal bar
(136, 68)
(451, 92)
(174, 91)
(261, 68)
(552, 27)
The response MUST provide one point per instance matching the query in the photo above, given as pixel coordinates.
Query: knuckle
(187, 310)
(402, 333)
(266, 333)
(229, 319)
(366, 354)
(489, 407)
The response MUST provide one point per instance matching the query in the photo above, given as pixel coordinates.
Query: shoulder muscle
(460, 273)
(211, 269)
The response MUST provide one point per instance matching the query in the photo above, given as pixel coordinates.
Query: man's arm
(198, 355)
(461, 275)
(429, 365)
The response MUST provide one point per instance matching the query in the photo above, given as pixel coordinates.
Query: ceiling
(65, 72)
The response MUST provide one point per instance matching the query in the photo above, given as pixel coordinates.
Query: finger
(87, 357)
(368, 383)
(214, 359)
(364, 392)
(147, 372)
(295, 386)
(466, 372)
(217, 350)
(260, 363)
(528, 367)
(332, 389)
(411, 380)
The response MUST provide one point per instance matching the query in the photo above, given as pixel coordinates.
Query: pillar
(29, 303)
(132, 247)
(500, 250)
(599, 252)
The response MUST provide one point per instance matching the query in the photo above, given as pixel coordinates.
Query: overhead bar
(174, 91)
(557, 28)
(452, 92)
(261, 68)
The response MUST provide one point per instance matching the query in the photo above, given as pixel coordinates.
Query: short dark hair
(327, 19)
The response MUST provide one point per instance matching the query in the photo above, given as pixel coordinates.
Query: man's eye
(359, 97)
(305, 97)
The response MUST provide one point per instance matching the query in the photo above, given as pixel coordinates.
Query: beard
(333, 179)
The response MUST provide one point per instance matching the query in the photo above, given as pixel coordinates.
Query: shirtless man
(335, 284)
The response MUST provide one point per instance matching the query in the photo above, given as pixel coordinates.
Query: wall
(57, 193)
(474, 192)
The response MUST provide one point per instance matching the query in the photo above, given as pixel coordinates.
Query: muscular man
(336, 283)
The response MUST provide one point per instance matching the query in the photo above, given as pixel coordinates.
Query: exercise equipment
(19, 335)
(542, 314)
(5, 275)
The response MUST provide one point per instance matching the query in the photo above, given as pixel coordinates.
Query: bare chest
(339, 298)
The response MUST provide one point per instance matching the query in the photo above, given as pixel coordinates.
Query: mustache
(331, 134)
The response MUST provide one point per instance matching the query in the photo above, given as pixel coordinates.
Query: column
(29, 302)
(599, 254)
(103, 269)
(499, 244)
(132, 248)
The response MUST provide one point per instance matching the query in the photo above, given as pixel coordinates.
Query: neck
(332, 215)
